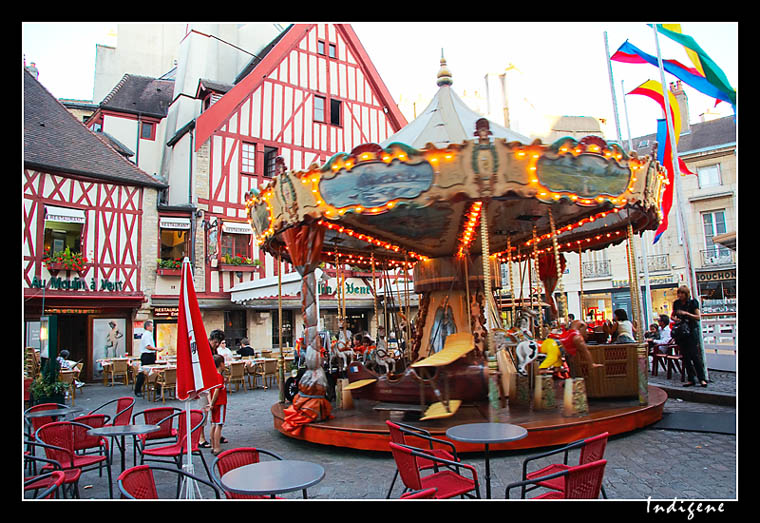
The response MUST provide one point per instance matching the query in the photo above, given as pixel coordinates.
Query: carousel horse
(526, 352)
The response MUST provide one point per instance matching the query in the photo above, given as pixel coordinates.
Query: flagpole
(679, 189)
(612, 89)
(647, 304)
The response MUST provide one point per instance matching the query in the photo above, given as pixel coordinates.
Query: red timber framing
(273, 109)
(110, 235)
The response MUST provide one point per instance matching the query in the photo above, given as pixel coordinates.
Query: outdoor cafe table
(273, 477)
(114, 431)
(55, 413)
(486, 433)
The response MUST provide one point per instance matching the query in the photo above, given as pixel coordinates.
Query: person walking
(147, 350)
(686, 312)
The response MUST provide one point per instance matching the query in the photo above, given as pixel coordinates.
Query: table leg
(122, 452)
(488, 475)
(304, 494)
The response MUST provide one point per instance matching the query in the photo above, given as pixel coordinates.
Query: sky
(562, 65)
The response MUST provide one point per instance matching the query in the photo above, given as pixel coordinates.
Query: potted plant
(65, 260)
(239, 263)
(169, 267)
(46, 387)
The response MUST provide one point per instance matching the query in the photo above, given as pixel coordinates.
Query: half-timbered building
(309, 93)
(86, 210)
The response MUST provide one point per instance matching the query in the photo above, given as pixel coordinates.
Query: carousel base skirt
(363, 427)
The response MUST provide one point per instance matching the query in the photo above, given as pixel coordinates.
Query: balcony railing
(597, 269)
(717, 257)
(655, 262)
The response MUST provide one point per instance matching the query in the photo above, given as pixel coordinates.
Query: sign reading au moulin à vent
(77, 284)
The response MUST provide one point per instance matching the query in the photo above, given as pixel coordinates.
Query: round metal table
(487, 433)
(56, 413)
(273, 477)
(114, 431)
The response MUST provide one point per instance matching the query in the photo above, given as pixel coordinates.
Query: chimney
(683, 104)
(32, 68)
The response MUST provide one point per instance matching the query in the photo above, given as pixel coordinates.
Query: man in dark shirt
(245, 348)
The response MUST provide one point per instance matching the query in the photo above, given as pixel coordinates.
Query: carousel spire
(444, 75)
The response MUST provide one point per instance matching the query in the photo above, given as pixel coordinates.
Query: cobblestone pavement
(661, 464)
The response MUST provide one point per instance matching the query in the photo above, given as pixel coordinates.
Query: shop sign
(166, 312)
(653, 280)
(350, 289)
(77, 284)
(729, 274)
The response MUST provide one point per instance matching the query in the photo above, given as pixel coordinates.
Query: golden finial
(444, 75)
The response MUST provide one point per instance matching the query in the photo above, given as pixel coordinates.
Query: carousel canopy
(407, 202)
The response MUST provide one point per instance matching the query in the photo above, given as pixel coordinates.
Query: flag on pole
(653, 90)
(196, 371)
(629, 53)
(701, 60)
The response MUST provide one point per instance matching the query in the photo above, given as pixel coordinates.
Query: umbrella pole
(189, 489)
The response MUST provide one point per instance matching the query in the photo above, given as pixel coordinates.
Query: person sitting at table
(245, 348)
(620, 328)
(147, 350)
(67, 364)
(664, 333)
(224, 351)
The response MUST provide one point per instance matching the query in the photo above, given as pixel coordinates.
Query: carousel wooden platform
(363, 427)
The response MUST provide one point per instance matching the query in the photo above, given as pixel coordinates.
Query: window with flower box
(175, 241)
(62, 239)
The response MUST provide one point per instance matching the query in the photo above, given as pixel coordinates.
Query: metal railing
(597, 269)
(655, 262)
(716, 257)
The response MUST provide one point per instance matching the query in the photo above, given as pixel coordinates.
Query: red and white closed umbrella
(196, 371)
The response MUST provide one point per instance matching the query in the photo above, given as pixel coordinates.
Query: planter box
(55, 268)
(56, 398)
(169, 272)
(237, 268)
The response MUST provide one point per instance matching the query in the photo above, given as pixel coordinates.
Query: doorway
(72, 336)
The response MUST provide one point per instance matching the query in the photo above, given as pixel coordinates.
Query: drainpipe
(139, 131)
(193, 217)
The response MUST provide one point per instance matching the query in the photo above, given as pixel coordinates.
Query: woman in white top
(223, 350)
(622, 327)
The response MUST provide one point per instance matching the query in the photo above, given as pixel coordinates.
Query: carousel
(447, 200)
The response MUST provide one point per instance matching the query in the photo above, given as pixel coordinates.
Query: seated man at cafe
(245, 348)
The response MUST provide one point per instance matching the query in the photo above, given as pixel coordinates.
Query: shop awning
(64, 214)
(267, 288)
(236, 228)
(174, 223)
(727, 240)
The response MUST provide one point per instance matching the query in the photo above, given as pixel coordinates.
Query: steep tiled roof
(55, 140)
(140, 94)
(702, 135)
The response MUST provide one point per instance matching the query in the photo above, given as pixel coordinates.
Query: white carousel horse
(526, 352)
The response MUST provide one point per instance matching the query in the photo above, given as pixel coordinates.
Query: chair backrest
(36, 423)
(270, 366)
(397, 436)
(59, 438)
(158, 416)
(232, 459)
(196, 421)
(120, 366)
(593, 448)
(137, 483)
(169, 377)
(237, 370)
(266, 353)
(124, 408)
(83, 440)
(406, 463)
(585, 481)
(67, 376)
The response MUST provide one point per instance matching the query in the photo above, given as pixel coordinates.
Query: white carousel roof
(447, 119)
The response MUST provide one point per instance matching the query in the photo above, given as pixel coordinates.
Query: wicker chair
(234, 458)
(267, 371)
(68, 377)
(139, 483)
(118, 368)
(448, 482)
(168, 381)
(580, 482)
(160, 416)
(50, 482)
(237, 375)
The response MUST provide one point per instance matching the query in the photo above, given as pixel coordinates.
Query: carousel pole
(408, 307)
(580, 273)
(374, 293)
(485, 255)
(560, 284)
(633, 276)
(281, 370)
(535, 263)
(511, 280)
(466, 262)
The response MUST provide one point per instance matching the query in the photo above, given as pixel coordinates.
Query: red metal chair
(33, 424)
(403, 434)
(581, 482)
(59, 439)
(123, 415)
(448, 482)
(154, 416)
(591, 449)
(84, 442)
(421, 494)
(173, 452)
(234, 458)
(139, 482)
(50, 482)
(71, 476)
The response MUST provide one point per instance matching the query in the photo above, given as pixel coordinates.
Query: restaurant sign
(77, 284)
(716, 275)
